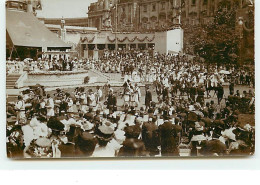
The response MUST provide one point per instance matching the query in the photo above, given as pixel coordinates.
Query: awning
(25, 29)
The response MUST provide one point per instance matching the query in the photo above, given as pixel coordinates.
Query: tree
(218, 41)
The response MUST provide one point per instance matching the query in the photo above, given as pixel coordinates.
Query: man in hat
(231, 88)
(150, 137)
(91, 98)
(137, 95)
(89, 116)
(20, 108)
(50, 106)
(168, 143)
(148, 98)
(220, 92)
(99, 94)
(85, 145)
(111, 100)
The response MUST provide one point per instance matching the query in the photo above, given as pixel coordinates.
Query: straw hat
(43, 142)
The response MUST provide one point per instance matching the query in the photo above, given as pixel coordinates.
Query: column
(95, 53)
(85, 52)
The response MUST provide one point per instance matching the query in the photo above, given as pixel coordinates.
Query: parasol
(207, 121)
(177, 128)
(224, 72)
(192, 116)
(212, 147)
(199, 113)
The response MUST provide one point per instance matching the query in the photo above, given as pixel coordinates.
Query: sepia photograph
(130, 79)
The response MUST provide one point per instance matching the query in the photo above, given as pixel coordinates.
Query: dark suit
(168, 143)
(148, 98)
(89, 116)
(150, 137)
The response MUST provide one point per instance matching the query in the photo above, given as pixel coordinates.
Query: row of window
(193, 2)
(145, 7)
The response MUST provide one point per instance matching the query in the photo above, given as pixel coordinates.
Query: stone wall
(57, 78)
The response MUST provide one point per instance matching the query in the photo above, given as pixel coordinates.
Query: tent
(23, 29)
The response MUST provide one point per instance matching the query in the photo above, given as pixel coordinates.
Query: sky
(65, 8)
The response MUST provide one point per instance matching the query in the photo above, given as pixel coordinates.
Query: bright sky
(65, 8)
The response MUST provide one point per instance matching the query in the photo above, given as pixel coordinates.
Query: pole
(116, 29)
(11, 52)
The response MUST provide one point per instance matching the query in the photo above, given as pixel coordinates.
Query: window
(193, 2)
(145, 8)
(154, 8)
(163, 5)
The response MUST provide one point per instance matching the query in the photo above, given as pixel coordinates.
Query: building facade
(195, 12)
(154, 15)
(93, 45)
(134, 15)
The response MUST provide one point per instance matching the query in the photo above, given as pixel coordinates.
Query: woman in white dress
(127, 94)
(137, 95)
(20, 107)
(50, 106)
(83, 102)
(46, 65)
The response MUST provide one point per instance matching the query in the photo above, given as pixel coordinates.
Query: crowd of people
(179, 113)
(45, 64)
(143, 67)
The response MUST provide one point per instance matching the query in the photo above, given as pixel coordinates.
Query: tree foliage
(218, 41)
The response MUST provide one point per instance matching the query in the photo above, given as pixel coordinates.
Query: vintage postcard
(130, 78)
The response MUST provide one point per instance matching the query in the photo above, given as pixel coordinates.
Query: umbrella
(192, 116)
(199, 113)
(224, 72)
(213, 146)
(177, 128)
(207, 121)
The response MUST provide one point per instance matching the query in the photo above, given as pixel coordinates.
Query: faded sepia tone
(130, 78)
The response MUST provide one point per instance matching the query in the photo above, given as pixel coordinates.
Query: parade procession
(132, 81)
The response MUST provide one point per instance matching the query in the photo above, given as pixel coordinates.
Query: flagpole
(116, 30)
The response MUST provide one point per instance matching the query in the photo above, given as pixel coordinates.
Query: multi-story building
(151, 15)
(25, 5)
(196, 12)
(134, 15)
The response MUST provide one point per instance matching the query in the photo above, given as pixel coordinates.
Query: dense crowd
(139, 66)
(55, 64)
(180, 120)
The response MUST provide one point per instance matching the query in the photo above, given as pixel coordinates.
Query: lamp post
(240, 28)
(116, 48)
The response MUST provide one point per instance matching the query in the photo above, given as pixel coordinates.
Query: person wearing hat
(127, 94)
(151, 137)
(137, 95)
(15, 142)
(98, 94)
(55, 125)
(107, 146)
(89, 115)
(168, 143)
(85, 145)
(132, 147)
(148, 98)
(20, 108)
(66, 147)
(111, 100)
(91, 98)
(220, 92)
